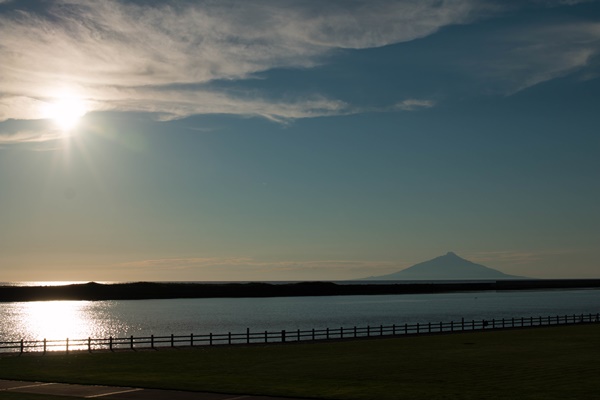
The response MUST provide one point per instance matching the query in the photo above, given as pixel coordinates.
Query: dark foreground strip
(119, 393)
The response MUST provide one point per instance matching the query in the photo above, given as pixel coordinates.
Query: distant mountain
(447, 267)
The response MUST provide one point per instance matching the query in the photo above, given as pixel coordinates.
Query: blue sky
(293, 140)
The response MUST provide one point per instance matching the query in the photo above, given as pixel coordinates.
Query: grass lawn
(542, 363)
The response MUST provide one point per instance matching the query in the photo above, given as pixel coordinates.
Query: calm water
(82, 319)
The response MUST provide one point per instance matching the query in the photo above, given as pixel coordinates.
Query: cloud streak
(533, 54)
(240, 268)
(30, 136)
(414, 104)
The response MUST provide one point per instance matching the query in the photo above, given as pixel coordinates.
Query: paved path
(119, 393)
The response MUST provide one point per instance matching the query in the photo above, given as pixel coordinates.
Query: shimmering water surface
(99, 319)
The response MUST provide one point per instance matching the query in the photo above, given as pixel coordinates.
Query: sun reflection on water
(56, 319)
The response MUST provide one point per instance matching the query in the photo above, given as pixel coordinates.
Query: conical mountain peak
(447, 267)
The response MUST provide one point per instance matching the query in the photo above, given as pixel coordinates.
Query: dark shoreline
(157, 290)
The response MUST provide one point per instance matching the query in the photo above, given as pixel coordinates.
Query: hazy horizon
(297, 140)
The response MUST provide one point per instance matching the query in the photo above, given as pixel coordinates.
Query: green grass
(545, 363)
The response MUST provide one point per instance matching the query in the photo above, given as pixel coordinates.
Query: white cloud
(120, 56)
(19, 107)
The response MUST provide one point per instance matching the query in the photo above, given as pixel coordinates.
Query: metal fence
(283, 336)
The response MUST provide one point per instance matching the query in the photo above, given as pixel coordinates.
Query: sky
(297, 139)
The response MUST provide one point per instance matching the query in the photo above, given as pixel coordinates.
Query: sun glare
(66, 112)
(55, 319)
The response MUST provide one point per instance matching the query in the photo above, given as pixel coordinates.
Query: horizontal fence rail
(283, 336)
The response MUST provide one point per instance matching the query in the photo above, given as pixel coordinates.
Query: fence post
(44, 345)
(110, 343)
(502, 323)
(298, 335)
(394, 330)
(67, 345)
(473, 325)
(380, 330)
(462, 323)
(354, 330)
(22, 346)
(152, 342)
(172, 340)
(247, 335)
(441, 327)
(493, 323)
(417, 327)
(368, 330)
(313, 333)
(131, 342)
(266, 337)
(341, 332)
(405, 328)
(89, 344)
(229, 338)
(522, 322)
(191, 340)
(429, 326)
(452, 326)
(327, 332)
(283, 335)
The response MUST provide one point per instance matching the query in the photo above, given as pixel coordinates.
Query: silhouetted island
(447, 267)
(161, 290)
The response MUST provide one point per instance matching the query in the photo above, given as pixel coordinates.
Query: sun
(66, 111)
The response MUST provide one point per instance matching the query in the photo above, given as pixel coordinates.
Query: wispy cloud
(28, 132)
(165, 58)
(30, 136)
(238, 268)
(414, 104)
(128, 57)
(530, 55)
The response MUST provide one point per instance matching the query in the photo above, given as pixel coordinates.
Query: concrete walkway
(119, 393)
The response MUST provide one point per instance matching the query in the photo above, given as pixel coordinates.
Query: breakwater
(161, 290)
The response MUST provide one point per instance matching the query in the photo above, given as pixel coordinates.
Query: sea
(58, 320)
